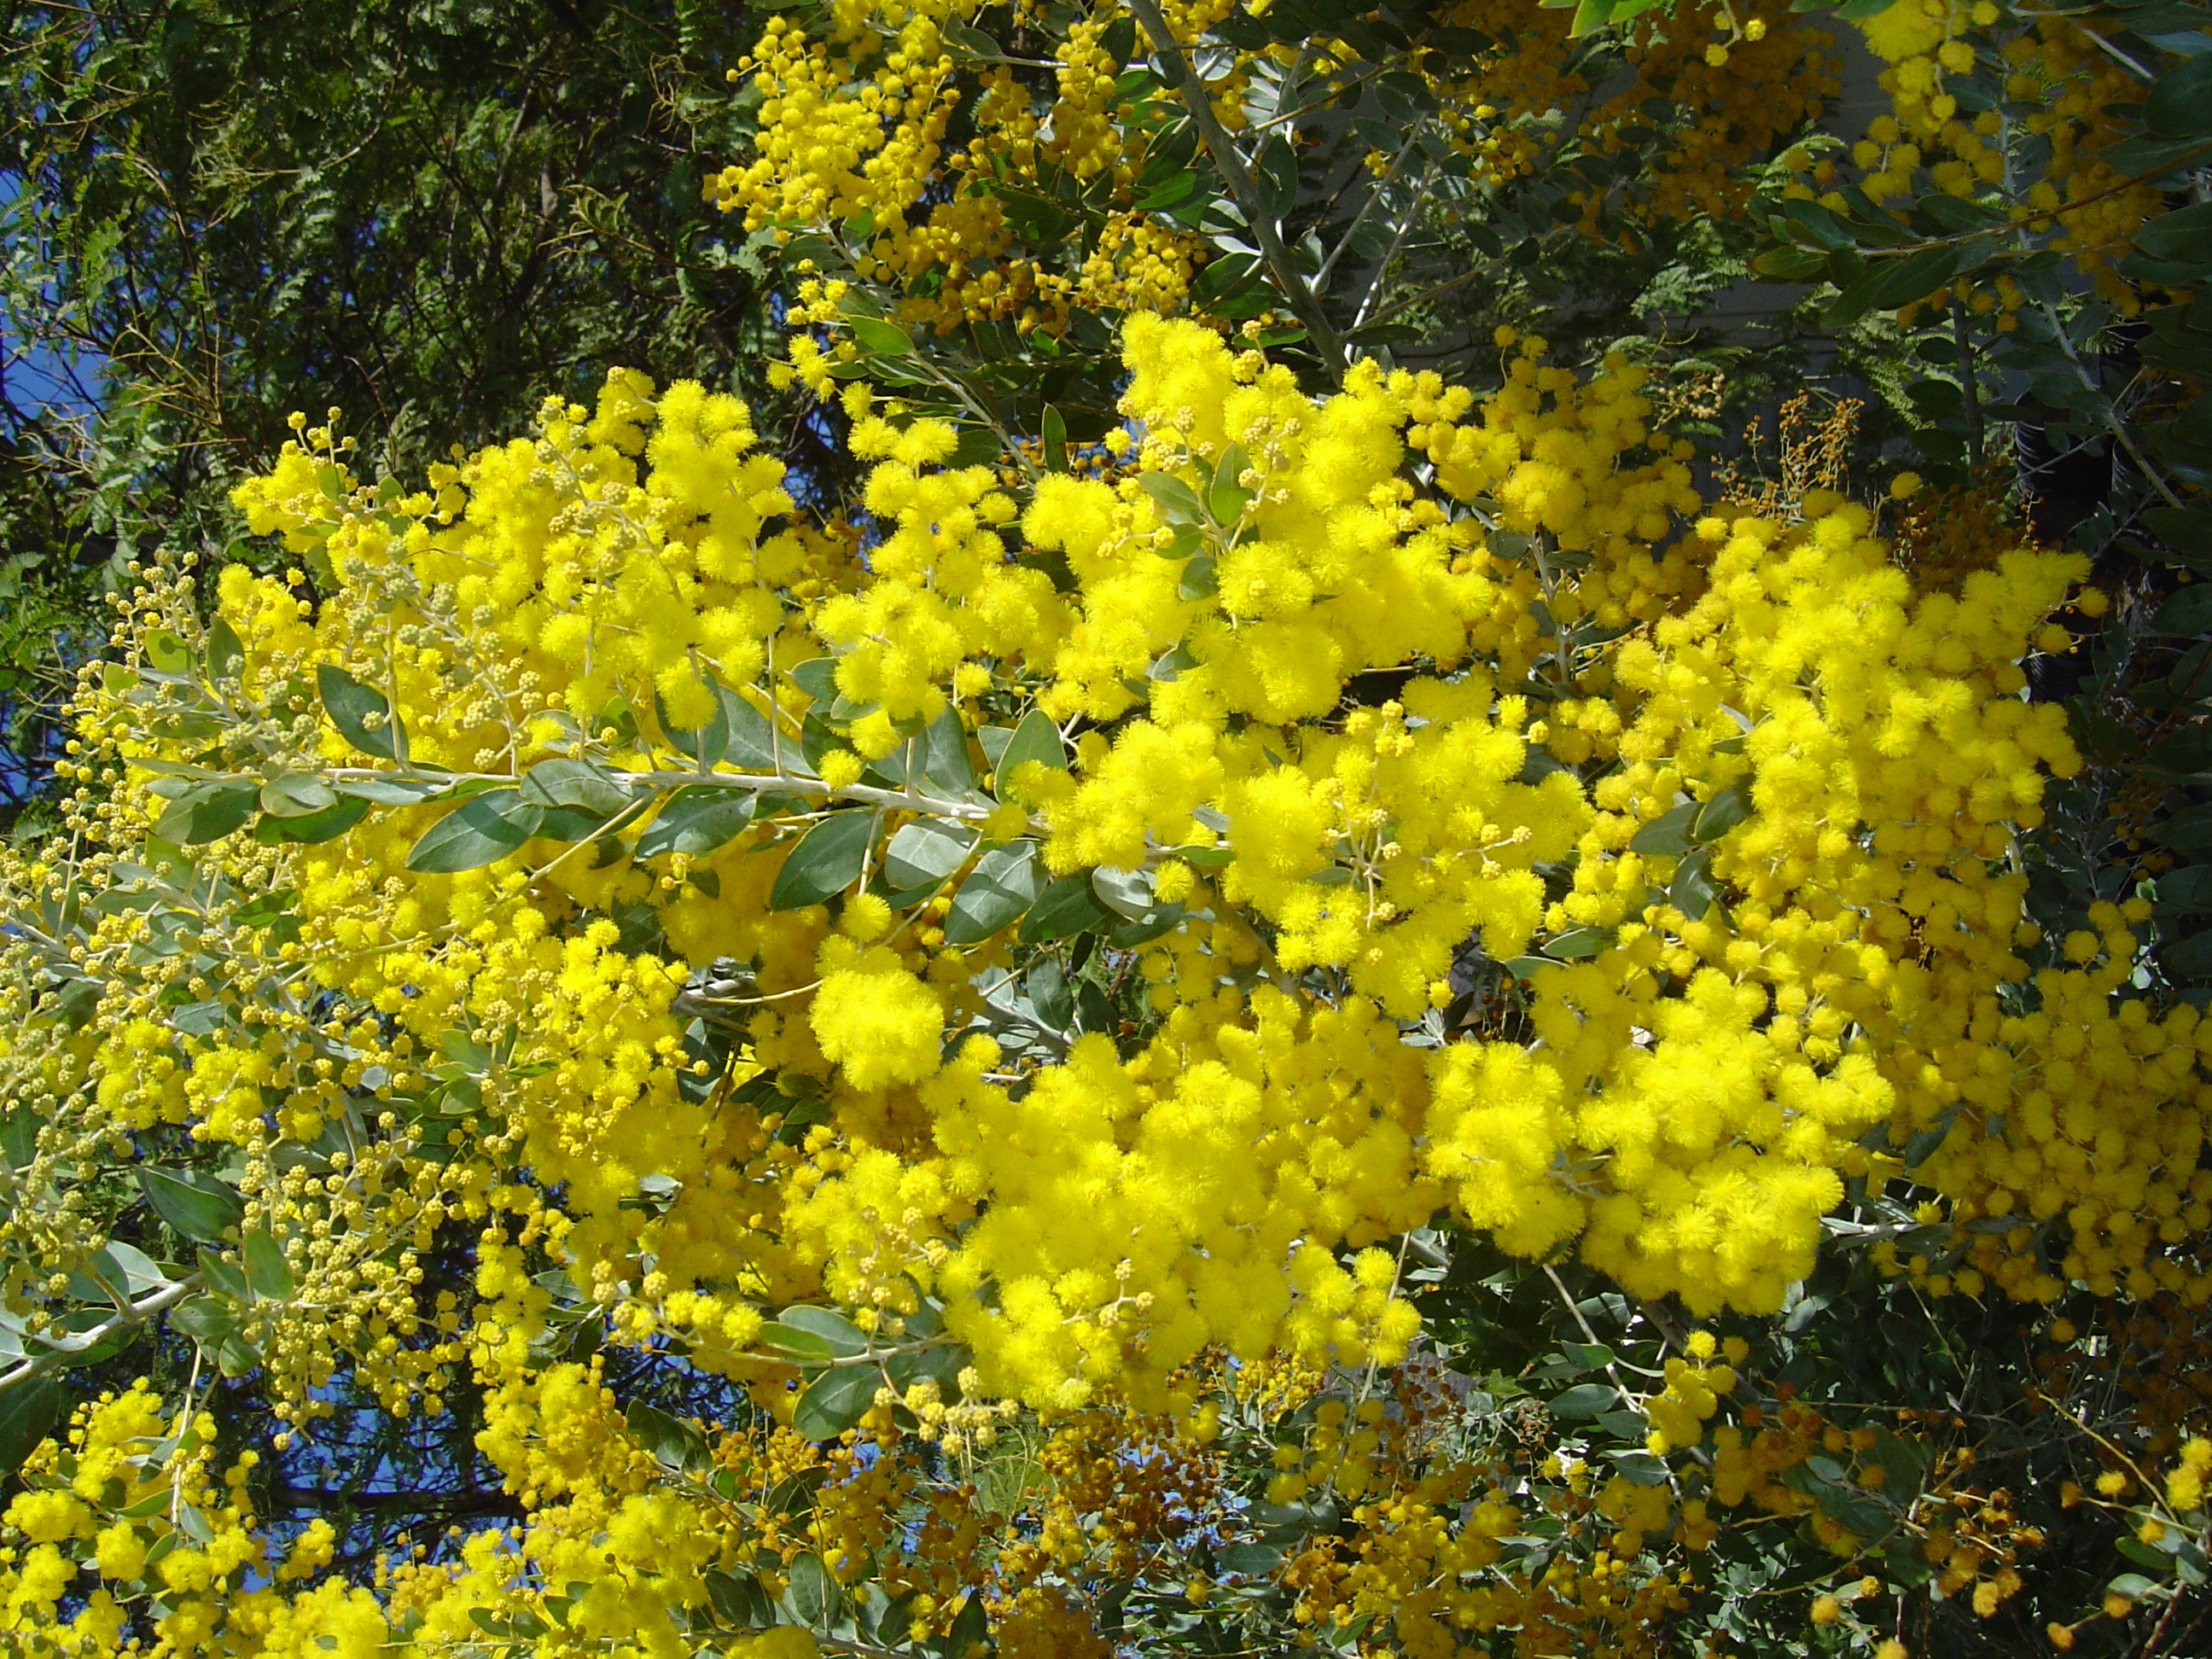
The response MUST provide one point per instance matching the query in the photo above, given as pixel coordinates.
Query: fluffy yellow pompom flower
(875, 1020)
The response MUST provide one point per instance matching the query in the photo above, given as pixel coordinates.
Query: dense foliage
(1300, 979)
(434, 213)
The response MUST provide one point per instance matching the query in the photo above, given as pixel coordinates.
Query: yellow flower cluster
(1775, 923)
(2064, 92)
(132, 1493)
(853, 141)
(895, 134)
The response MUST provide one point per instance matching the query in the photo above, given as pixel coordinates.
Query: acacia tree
(1258, 998)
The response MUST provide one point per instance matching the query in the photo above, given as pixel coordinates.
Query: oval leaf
(1037, 738)
(1585, 1399)
(1064, 909)
(924, 853)
(1006, 882)
(696, 820)
(828, 860)
(332, 821)
(834, 1401)
(296, 796)
(27, 1411)
(839, 1333)
(207, 813)
(193, 1202)
(481, 830)
(362, 713)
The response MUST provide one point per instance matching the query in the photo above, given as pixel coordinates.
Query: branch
(61, 1349)
(785, 783)
(1238, 177)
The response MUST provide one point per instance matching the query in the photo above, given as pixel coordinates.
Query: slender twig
(1176, 71)
(779, 782)
(60, 1349)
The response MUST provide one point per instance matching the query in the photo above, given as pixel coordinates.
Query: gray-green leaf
(696, 820)
(193, 1202)
(834, 1401)
(481, 830)
(351, 706)
(828, 860)
(208, 811)
(924, 853)
(1005, 883)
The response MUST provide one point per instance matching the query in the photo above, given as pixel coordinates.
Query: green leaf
(945, 765)
(827, 859)
(224, 1275)
(1006, 882)
(1726, 809)
(1248, 1560)
(881, 338)
(1790, 264)
(739, 1600)
(27, 1411)
(2187, 831)
(390, 789)
(670, 1442)
(1590, 14)
(2188, 612)
(697, 819)
(481, 830)
(333, 821)
(1225, 498)
(565, 782)
(2134, 1586)
(266, 1271)
(1048, 993)
(1578, 942)
(1055, 440)
(1585, 1399)
(127, 1265)
(817, 677)
(924, 852)
(1276, 175)
(2187, 889)
(2184, 236)
(809, 1588)
(749, 743)
(1667, 834)
(1890, 283)
(834, 1401)
(970, 1628)
(352, 706)
(1067, 907)
(2194, 424)
(1036, 738)
(208, 1320)
(295, 795)
(1176, 498)
(1691, 890)
(1922, 1143)
(1128, 893)
(2143, 1554)
(2188, 958)
(166, 654)
(2181, 104)
(193, 1202)
(790, 1342)
(841, 1335)
(208, 811)
(226, 653)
